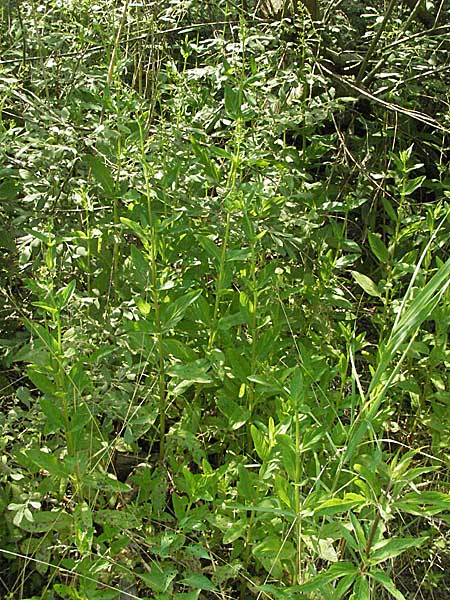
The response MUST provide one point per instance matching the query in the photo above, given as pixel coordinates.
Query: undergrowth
(225, 307)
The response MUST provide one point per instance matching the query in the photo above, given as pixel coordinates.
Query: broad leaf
(366, 283)
(393, 548)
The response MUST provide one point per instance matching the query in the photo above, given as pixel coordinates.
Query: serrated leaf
(366, 283)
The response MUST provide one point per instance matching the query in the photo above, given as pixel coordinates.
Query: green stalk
(253, 327)
(223, 254)
(219, 281)
(297, 500)
(113, 59)
(153, 255)
(116, 220)
(373, 46)
(85, 200)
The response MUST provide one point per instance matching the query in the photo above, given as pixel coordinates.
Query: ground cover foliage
(224, 311)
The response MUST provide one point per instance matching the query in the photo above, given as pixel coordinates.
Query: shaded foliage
(224, 311)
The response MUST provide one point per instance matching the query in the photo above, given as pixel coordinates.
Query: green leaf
(79, 418)
(64, 295)
(263, 509)
(199, 581)
(260, 443)
(411, 319)
(84, 530)
(237, 530)
(101, 173)
(297, 390)
(404, 329)
(43, 383)
(158, 578)
(387, 205)
(187, 595)
(140, 263)
(9, 188)
(344, 584)
(53, 413)
(335, 506)
(44, 521)
(78, 377)
(143, 306)
(229, 321)
(211, 170)
(424, 503)
(280, 593)
(135, 227)
(393, 548)
(210, 247)
(52, 310)
(413, 184)
(189, 374)
(387, 583)
(273, 547)
(47, 461)
(336, 571)
(233, 101)
(236, 414)
(172, 313)
(378, 248)
(361, 590)
(366, 283)
(180, 505)
(44, 336)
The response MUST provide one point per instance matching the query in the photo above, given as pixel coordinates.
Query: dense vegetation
(224, 304)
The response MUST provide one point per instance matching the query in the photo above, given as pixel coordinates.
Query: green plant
(224, 313)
